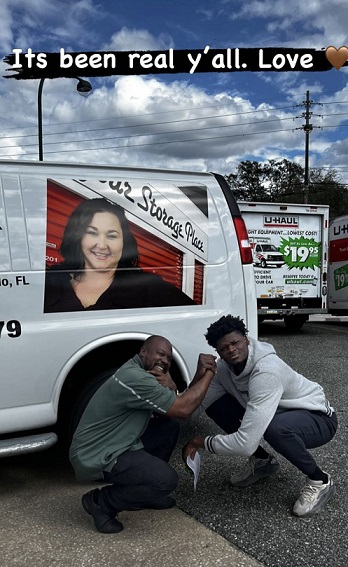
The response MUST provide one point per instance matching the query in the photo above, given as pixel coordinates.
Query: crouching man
(116, 440)
(255, 395)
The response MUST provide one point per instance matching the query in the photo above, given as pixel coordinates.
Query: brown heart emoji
(337, 57)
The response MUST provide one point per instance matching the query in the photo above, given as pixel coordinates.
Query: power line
(153, 133)
(156, 124)
(130, 126)
(159, 143)
(335, 114)
(150, 114)
(332, 126)
(307, 114)
(334, 102)
(270, 109)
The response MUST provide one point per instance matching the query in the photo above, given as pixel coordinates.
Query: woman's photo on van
(100, 265)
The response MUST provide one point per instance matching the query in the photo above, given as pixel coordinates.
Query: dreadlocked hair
(225, 325)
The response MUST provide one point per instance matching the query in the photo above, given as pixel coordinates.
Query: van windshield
(269, 248)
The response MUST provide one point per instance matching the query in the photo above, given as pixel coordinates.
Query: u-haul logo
(280, 220)
(341, 228)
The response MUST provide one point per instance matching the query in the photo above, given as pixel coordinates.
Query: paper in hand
(194, 464)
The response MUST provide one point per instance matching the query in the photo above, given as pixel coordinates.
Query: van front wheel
(84, 397)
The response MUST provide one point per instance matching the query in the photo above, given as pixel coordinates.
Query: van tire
(84, 397)
(295, 322)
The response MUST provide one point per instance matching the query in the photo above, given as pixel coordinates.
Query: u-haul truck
(290, 255)
(338, 266)
(183, 261)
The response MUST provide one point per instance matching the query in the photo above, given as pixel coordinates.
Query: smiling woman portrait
(100, 267)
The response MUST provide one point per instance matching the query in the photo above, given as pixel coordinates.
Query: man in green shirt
(107, 444)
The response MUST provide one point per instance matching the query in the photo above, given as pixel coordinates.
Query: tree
(283, 181)
(325, 189)
(248, 183)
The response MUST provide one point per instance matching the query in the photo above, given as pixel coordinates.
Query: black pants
(291, 433)
(143, 478)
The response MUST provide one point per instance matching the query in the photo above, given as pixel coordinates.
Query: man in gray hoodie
(256, 395)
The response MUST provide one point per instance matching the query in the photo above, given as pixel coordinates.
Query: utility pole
(307, 128)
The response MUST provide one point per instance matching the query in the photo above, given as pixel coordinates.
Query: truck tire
(263, 263)
(295, 322)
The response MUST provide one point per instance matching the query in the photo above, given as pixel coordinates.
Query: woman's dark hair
(225, 325)
(77, 225)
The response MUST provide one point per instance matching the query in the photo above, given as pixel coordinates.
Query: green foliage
(282, 181)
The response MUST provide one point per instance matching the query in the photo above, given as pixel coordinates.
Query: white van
(265, 253)
(182, 259)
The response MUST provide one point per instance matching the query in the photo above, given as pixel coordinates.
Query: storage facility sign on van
(170, 231)
(164, 209)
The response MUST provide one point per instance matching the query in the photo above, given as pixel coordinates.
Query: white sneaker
(314, 497)
(255, 470)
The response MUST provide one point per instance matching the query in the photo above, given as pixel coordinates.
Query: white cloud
(312, 23)
(206, 14)
(139, 121)
(31, 23)
(6, 20)
(135, 120)
(138, 39)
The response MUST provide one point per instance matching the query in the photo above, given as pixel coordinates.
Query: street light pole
(39, 117)
(83, 88)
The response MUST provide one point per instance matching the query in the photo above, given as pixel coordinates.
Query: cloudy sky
(206, 121)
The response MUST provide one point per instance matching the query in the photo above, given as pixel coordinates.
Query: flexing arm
(205, 362)
(185, 404)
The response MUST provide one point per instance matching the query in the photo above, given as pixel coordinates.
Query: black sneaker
(255, 470)
(105, 523)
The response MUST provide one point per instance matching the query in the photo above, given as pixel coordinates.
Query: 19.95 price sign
(341, 277)
(300, 252)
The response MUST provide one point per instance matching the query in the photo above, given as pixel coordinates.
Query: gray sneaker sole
(320, 505)
(259, 475)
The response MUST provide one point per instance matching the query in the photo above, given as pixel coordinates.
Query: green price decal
(300, 252)
(341, 277)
